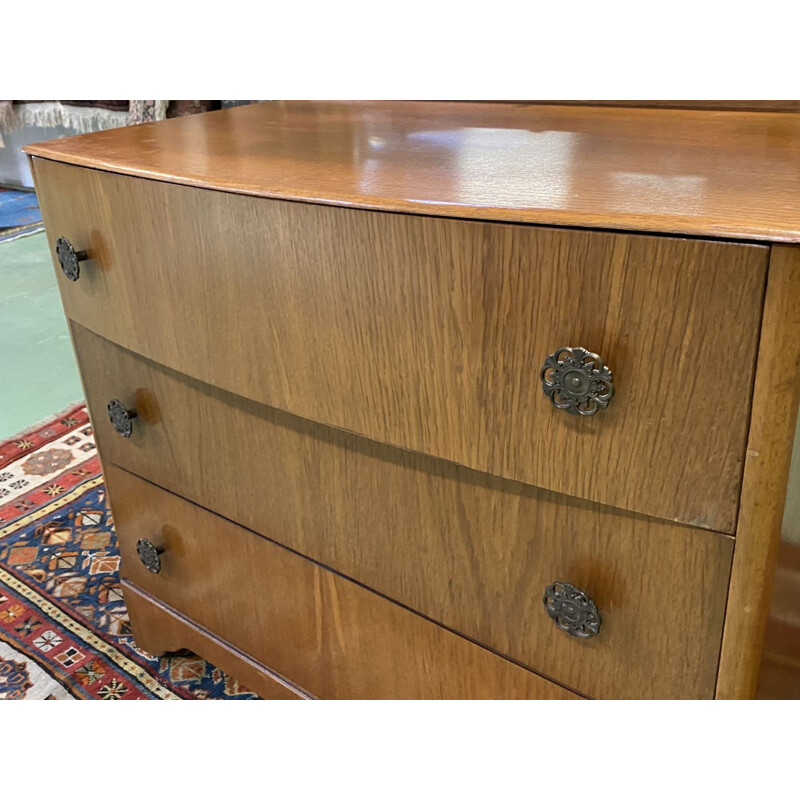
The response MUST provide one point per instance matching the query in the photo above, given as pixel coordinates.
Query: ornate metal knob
(572, 610)
(577, 381)
(149, 555)
(69, 258)
(121, 418)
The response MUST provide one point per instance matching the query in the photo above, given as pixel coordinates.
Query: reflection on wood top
(706, 173)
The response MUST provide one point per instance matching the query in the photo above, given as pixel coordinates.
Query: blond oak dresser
(441, 400)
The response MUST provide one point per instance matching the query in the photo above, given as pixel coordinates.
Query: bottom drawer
(322, 632)
(159, 630)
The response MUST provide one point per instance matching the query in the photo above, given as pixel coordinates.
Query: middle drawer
(468, 550)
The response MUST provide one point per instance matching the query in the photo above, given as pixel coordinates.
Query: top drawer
(431, 334)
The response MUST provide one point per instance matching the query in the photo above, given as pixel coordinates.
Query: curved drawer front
(473, 552)
(323, 632)
(432, 334)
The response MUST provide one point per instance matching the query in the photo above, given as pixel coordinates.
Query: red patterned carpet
(64, 631)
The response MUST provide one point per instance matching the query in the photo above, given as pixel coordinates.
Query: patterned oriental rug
(64, 632)
(19, 215)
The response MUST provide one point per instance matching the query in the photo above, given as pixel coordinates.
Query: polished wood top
(707, 173)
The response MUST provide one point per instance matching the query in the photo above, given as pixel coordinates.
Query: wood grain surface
(695, 105)
(769, 451)
(323, 632)
(470, 551)
(429, 334)
(790, 524)
(158, 629)
(779, 673)
(707, 173)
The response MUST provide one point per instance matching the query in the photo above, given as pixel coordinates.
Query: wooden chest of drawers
(413, 404)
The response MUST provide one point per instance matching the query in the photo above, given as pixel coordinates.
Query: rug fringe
(51, 115)
(7, 117)
(12, 234)
(142, 111)
(70, 409)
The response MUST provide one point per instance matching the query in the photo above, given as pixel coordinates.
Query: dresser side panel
(766, 473)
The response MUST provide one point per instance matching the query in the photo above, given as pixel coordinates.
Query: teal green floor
(38, 373)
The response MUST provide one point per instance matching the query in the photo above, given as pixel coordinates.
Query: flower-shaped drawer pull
(121, 418)
(572, 610)
(149, 555)
(577, 381)
(69, 258)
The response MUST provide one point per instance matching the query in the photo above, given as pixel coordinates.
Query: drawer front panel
(159, 629)
(430, 334)
(326, 634)
(471, 551)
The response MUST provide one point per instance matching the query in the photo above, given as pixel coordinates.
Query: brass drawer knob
(149, 555)
(121, 418)
(572, 610)
(577, 381)
(69, 258)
